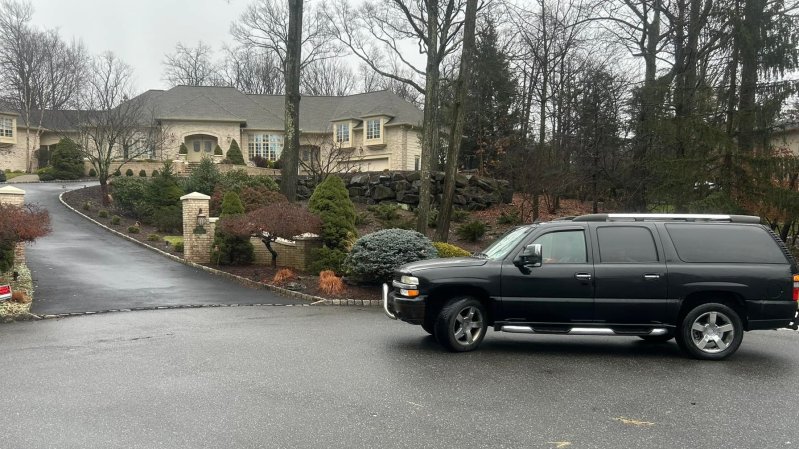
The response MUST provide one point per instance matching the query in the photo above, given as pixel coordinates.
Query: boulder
(413, 177)
(356, 191)
(401, 185)
(461, 181)
(407, 198)
(359, 180)
(397, 177)
(381, 192)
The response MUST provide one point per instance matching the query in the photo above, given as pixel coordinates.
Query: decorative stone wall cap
(285, 242)
(11, 190)
(195, 196)
(213, 219)
(306, 236)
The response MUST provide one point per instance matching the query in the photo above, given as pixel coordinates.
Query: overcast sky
(140, 31)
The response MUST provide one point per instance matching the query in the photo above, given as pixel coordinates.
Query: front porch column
(197, 241)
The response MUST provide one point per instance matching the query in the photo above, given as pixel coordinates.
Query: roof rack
(670, 217)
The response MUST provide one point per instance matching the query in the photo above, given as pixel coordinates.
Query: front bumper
(410, 310)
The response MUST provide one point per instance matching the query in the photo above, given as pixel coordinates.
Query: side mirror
(531, 256)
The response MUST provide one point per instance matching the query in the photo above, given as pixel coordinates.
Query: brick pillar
(196, 244)
(15, 197)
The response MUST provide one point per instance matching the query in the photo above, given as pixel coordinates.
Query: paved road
(81, 267)
(341, 377)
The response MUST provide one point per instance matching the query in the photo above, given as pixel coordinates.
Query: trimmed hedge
(374, 257)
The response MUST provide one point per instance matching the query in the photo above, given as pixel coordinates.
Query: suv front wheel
(461, 324)
(710, 331)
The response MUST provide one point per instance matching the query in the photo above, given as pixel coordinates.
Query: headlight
(410, 280)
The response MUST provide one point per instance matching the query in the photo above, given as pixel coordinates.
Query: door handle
(651, 277)
(583, 276)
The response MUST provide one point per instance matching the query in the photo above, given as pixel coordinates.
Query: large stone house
(364, 132)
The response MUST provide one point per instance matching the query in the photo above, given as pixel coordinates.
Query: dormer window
(343, 133)
(373, 129)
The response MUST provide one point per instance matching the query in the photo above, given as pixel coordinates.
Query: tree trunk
(268, 243)
(750, 44)
(458, 119)
(291, 143)
(430, 125)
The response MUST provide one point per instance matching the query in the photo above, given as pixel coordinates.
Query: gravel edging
(314, 300)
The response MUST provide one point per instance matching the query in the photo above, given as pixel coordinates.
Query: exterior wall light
(202, 219)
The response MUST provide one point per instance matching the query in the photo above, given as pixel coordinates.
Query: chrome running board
(577, 331)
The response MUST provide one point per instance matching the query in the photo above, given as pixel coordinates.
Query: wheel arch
(731, 299)
(442, 294)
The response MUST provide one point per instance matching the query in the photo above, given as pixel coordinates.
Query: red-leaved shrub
(283, 276)
(331, 284)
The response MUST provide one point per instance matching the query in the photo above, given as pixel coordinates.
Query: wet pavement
(81, 267)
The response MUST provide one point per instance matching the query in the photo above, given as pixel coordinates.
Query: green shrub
(459, 215)
(46, 174)
(178, 247)
(117, 173)
(331, 202)
(375, 256)
(449, 250)
(142, 173)
(385, 212)
(232, 250)
(183, 149)
(509, 218)
(218, 151)
(160, 204)
(92, 172)
(236, 180)
(472, 231)
(87, 205)
(128, 194)
(66, 160)
(133, 229)
(154, 238)
(2, 176)
(154, 173)
(432, 218)
(362, 219)
(328, 259)
(231, 205)
(234, 153)
(116, 219)
(103, 213)
(203, 178)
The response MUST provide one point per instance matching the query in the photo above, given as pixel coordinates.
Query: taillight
(6, 289)
(796, 287)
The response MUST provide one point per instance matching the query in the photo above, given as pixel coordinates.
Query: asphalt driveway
(82, 268)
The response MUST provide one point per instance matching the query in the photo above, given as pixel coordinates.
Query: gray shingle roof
(266, 112)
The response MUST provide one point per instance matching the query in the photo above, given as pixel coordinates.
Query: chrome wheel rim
(468, 325)
(712, 332)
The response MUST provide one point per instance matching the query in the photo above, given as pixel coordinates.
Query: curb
(315, 300)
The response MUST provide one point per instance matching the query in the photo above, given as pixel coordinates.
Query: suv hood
(452, 262)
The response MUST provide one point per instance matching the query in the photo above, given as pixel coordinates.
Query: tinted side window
(563, 247)
(626, 244)
(725, 243)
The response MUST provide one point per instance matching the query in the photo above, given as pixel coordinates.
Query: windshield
(503, 245)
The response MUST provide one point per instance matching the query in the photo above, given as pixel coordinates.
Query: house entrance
(200, 146)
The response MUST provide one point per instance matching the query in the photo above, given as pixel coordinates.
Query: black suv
(702, 279)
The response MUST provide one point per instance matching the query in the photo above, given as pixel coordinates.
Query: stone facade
(296, 254)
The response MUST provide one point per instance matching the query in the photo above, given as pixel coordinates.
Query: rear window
(725, 243)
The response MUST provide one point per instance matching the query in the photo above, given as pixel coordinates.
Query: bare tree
(265, 25)
(252, 71)
(320, 157)
(38, 70)
(292, 67)
(328, 77)
(191, 66)
(433, 26)
(112, 126)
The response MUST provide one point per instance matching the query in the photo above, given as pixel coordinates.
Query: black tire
(710, 331)
(657, 338)
(461, 324)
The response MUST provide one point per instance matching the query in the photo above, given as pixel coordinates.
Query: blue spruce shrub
(375, 256)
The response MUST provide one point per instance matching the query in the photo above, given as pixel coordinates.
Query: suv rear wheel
(710, 331)
(461, 324)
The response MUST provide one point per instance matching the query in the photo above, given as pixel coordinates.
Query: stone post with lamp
(198, 227)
